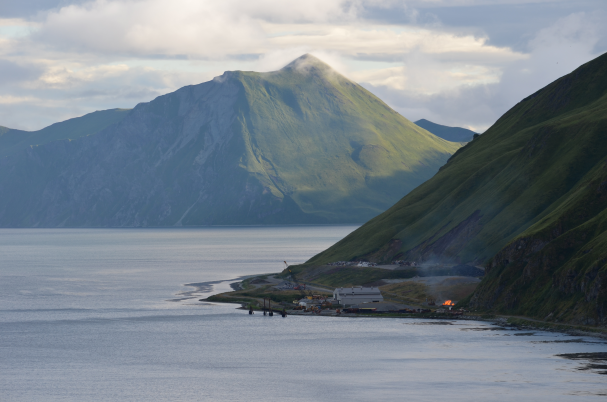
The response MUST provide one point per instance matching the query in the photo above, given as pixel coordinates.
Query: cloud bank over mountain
(444, 61)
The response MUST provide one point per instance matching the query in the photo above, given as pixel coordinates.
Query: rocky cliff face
(301, 145)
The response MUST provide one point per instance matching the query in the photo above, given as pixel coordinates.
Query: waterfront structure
(356, 295)
(309, 302)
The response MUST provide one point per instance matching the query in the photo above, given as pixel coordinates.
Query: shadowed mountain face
(299, 145)
(528, 198)
(13, 141)
(454, 134)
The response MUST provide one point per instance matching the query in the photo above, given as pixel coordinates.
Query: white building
(310, 302)
(356, 295)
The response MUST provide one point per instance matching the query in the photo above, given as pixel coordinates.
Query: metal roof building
(356, 295)
(310, 302)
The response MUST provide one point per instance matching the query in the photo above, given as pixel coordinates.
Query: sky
(458, 62)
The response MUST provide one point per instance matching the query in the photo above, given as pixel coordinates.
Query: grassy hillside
(528, 198)
(12, 140)
(322, 140)
(299, 145)
(454, 134)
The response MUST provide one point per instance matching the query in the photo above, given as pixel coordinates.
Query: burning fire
(448, 303)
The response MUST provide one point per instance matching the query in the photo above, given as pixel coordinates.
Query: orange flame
(448, 303)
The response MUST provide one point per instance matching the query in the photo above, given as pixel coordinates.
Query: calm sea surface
(103, 315)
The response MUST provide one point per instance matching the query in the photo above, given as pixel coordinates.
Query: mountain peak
(308, 63)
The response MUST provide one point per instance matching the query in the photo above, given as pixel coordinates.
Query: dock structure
(356, 295)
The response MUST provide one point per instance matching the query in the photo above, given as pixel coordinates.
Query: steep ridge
(528, 198)
(299, 145)
(454, 134)
(12, 140)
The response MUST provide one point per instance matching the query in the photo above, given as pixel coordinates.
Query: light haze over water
(102, 315)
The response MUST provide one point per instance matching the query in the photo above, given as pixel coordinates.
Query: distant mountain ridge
(300, 145)
(12, 140)
(454, 134)
(528, 199)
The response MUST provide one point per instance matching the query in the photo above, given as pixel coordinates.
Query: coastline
(503, 321)
(200, 288)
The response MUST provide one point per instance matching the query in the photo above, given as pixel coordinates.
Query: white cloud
(65, 77)
(423, 76)
(366, 39)
(10, 99)
(212, 29)
(196, 28)
(115, 53)
(393, 77)
(150, 27)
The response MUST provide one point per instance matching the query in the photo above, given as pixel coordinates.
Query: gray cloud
(509, 24)
(11, 72)
(555, 50)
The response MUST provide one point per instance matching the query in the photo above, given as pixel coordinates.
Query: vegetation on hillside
(324, 144)
(299, 145)
(12, 141)
(528, 198)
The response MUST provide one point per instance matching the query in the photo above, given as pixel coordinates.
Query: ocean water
(103, 315)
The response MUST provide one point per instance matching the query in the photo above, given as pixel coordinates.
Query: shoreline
(506, 321)
(205, 287)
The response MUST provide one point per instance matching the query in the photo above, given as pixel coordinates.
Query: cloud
(382, 42)
(11, 72)
(63, 93)
(65, 77)
(196, 28)
(435, 59)
(554, 51)
(424, 74)
(10, 99)
(211, 29)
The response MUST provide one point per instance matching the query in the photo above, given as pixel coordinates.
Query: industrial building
(356, 295)
(307, 303)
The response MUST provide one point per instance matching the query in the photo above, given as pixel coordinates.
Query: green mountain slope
(353, 149)
(299, 145)
(528, 197)
(12, 140)
(454, 134)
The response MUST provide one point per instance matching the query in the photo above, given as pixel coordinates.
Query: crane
(297, 286)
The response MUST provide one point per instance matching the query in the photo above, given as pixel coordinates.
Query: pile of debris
(404, 263)
(352, 264)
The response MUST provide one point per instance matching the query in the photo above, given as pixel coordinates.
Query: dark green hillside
(528, 197)
(12, 141)
(454, 134)
(299, 145)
